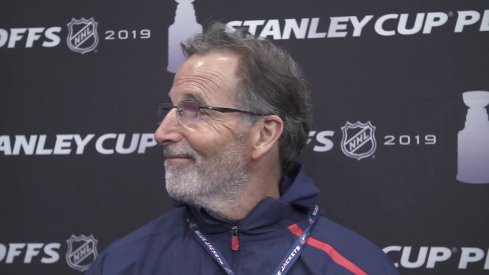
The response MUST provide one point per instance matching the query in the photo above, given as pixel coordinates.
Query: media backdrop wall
(395, 149)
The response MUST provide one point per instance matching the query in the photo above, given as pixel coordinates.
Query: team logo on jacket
(358, 140)
(82, 35)
(82, 251)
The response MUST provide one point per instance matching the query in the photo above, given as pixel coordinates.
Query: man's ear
(267, 135)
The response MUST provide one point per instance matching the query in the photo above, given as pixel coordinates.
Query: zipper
(234, 238)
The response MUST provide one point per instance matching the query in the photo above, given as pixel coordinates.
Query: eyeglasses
(189, 112)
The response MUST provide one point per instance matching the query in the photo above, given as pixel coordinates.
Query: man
(238, 118)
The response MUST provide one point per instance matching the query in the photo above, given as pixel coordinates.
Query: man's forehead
(203, 60)
(202, 77)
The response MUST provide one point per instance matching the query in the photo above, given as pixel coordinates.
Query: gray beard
(214, 182)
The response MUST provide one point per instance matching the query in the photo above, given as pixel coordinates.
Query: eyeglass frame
(167, 107)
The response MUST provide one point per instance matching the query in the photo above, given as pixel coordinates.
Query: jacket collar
(299, 195)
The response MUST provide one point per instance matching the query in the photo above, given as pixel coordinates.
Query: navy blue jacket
(167, 245)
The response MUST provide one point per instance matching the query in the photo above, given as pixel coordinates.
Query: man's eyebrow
(190, 95)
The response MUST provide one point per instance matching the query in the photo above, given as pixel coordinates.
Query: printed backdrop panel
(399, 145)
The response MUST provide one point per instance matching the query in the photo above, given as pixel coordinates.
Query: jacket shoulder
(161, 225)
(132, 248)
(349, 249)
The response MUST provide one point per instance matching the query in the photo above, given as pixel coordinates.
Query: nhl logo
(82, 35)
(82, 251)
(358, 140)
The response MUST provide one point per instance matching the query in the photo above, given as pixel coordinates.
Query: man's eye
(204, 111)
(180, 112)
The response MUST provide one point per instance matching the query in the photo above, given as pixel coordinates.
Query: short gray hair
(271, 83)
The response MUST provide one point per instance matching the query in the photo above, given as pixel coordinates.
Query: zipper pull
(234, 238)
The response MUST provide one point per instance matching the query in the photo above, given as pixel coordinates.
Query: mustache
(179, 150)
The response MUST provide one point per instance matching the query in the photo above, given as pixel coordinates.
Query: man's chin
(182, 198)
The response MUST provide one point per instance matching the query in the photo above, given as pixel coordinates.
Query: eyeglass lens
(187, 112)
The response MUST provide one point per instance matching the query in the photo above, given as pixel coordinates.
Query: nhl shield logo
(82, 35)
(358, 140)
(82, 251)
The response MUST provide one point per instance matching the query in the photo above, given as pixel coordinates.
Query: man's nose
(169, 129)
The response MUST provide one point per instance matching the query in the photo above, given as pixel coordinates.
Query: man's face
(207, 159)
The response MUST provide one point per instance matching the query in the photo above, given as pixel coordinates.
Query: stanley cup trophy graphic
(473, 140)
(184, 27)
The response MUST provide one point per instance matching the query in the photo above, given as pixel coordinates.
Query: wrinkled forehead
(208, 78)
